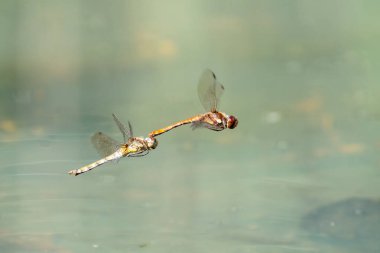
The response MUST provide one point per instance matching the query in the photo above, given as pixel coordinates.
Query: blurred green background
(301, 76)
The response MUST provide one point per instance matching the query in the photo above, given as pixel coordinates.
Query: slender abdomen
(118, 154)
(172, 126)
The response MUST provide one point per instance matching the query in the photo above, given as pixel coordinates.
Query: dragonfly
(209, 91)
(113, 150)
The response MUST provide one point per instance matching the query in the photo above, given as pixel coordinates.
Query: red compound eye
(232, 122)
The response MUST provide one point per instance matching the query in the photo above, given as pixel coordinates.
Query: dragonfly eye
(232, 122)
(152, 142)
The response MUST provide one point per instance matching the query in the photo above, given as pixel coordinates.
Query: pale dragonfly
(113, 150)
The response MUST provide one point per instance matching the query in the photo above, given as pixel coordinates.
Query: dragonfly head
(152, 142)
(232, 122)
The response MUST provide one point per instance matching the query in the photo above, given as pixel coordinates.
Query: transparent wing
(104, 144)
(198, 124)
(142, 153)
(127, 132)
(130, 129)
(209, 90)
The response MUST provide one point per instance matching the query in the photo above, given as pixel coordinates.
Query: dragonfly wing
(142, 153)
(209, 90)
(199, 124)
(130, 129)
(127, 132)
(104, 144)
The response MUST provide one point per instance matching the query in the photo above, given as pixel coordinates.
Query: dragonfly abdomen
(118, 154)
(172, 126)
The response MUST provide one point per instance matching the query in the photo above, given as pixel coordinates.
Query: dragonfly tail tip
(73, 172)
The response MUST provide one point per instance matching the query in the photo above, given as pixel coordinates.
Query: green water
(301, 76)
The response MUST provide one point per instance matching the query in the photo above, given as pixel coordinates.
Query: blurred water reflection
(300, 76)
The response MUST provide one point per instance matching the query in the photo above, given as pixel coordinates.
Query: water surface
(300, 76)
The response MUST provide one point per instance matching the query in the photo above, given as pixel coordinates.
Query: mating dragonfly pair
(209, 92)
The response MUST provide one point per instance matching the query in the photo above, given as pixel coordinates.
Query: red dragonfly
(209, 92)
(113, 150)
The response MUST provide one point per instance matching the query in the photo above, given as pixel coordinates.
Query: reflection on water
(303, 86)
(352, 224)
